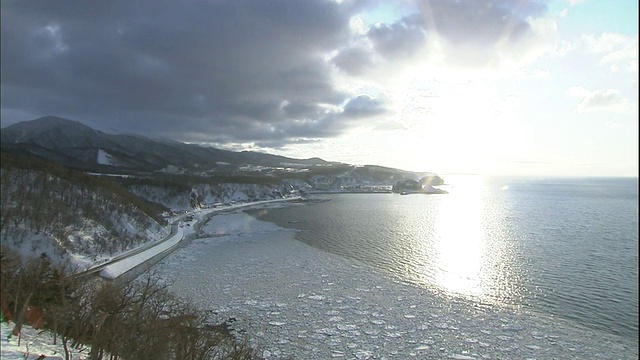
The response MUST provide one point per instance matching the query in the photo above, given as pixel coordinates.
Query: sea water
(564, 247)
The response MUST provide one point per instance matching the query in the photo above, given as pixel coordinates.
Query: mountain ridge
(68, 188)
(76, 145)
(66, 139)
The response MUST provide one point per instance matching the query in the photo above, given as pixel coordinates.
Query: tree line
(135, 320)
(184, 182)
(42, 197)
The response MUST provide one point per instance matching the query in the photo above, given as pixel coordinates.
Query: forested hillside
(184, 192)
(110, 320)
(48, 208)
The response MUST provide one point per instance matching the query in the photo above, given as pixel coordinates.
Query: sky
(500, 87)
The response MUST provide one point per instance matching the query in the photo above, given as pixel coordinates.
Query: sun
(466, 127)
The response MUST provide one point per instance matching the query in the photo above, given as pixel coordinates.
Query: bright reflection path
(460, 244)
(469, 245)
(463, 242)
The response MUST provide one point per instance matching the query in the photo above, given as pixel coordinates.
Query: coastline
(296, 301)
(129, 267)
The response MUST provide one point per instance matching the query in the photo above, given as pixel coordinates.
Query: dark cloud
(471, 33)
(302, 110)
(401, 39)
(364, 106)
(477, 33)
(354, 60)
(481, 22)
(164, 67)
(218, 71)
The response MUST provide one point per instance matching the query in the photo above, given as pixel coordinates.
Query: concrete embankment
(135, 263)
(131, 267)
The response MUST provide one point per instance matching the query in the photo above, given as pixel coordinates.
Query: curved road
(174, 230)
(97, 268)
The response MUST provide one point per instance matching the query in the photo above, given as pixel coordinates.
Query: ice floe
(295, 301)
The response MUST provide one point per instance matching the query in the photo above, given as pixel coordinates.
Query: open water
(564, 247)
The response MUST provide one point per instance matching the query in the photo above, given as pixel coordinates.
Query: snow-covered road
(185, 228)
(125, 265)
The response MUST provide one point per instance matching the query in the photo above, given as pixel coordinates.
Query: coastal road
(205, 214)
(97, 268)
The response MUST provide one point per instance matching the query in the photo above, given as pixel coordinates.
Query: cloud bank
(266, 73)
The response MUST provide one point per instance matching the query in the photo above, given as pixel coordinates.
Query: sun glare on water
(469, 256)
(459, 245)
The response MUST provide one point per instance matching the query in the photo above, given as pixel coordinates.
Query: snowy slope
(119, 268)
(207, 194)
(33, 343)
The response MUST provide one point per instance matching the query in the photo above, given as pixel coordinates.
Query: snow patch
(33, 343)
(104, 158)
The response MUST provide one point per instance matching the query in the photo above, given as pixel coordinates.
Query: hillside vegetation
(189, 192)
(110, 320)
(58, 211)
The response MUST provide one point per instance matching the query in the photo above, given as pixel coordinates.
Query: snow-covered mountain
(71, 191)
(75, 145)
(69, 215)
(78, 146)
(206, 195)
